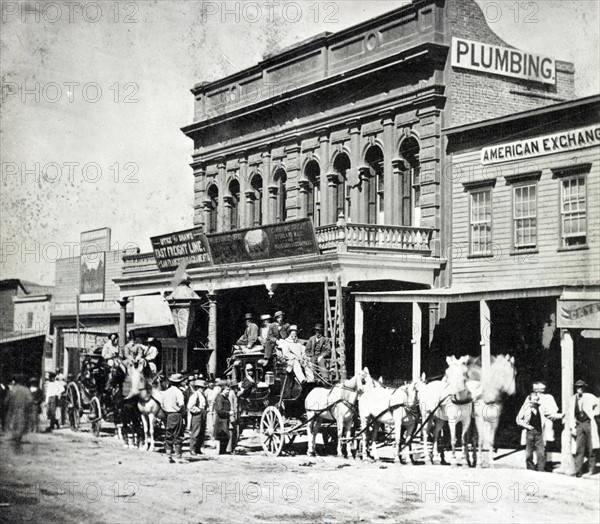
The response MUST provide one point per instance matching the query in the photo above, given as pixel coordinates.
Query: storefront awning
(17, 336)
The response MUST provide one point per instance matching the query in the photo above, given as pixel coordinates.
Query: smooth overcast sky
(145, 56)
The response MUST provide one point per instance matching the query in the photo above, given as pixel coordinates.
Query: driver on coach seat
(268, 337)
(250, 336)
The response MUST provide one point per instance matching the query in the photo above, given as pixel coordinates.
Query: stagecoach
(86, 398)
(275, 406)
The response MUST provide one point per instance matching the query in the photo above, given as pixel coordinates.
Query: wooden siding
(549, 264)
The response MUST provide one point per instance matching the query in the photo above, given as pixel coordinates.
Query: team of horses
(458, 397)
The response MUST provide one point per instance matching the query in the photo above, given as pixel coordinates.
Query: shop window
(341, 164)
(525, 216)
(481, 222)
(256, 184)
(312, 173)
(573, 211)
(234, 205)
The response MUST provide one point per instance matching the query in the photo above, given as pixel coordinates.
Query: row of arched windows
(407, 197)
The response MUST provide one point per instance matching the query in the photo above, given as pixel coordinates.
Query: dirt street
(74, 477)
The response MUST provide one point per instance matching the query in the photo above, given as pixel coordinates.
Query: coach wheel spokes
(73, 407)
(272, 431)
(96, 416)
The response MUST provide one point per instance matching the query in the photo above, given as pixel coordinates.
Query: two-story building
(345, 129)
(525, 248)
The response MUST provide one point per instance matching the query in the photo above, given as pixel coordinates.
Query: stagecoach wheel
(472, 446)
(73, 407)
(95, 416)
(272, 431)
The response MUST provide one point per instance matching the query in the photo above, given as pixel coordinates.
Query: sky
(93, 101)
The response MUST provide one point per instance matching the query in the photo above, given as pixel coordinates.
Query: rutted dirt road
(68, 477)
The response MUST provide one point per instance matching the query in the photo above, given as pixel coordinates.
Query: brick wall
(475, 96)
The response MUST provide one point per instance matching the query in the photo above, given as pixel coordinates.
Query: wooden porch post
(485, 331)
(567, 379)
(417, 322)
(123, 323)
(358, 335)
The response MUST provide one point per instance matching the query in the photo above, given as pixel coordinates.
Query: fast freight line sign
(503, 61)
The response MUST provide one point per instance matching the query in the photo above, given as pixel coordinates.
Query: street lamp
(183, 303)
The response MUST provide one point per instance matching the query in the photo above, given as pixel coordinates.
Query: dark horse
(126, 414)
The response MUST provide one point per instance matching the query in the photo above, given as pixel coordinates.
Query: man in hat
(284, 327)
(54, 390)
(111, 347)
(268, 337)
(173, 404)
(223, 413)
(38, 397)
(233, 419)
(536, 417)
(250, 337)
(197, 405)
(19, 404)
(294, 352)
(584, 408)
(248, 383)
(318, 349)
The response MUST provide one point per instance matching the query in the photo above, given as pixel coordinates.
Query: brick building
(345, 129)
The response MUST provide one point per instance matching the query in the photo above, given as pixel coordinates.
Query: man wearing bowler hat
(584, 408)
(250, 337)
(197, 406)
(173, 404)
(268, 337)
(318, 348)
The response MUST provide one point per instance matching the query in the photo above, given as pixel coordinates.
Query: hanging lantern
(184, 303)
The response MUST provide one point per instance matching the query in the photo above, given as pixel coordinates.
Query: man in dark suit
(318, 349)
(268, 336)
(250, 336)
(284, 327)
(223, 413)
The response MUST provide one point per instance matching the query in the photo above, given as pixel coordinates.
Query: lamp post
(183, 303)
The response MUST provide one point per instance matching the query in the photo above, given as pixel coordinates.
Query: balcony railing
(370, 237)
(340, 237)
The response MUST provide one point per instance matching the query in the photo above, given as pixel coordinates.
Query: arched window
(212, 204)
(312, 174)
(411, 190)
(374, 187)
(280, 179)
(256, 218)
(341, 164)
(234, 205)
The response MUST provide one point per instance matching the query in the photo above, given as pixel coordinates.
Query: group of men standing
(308, 362)
(539, 412)
(198, 405)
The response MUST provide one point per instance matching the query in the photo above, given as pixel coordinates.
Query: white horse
(443, 400)
(149, 399)
(487, 398)
(341, 400)
(388, 406)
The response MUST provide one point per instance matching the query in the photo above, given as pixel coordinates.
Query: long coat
(221, 424)
(19, 406)
(270, 342)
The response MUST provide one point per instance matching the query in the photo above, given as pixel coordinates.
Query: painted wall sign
(578, 314)
(91, 277)
(543, 145)
(503, 61)
(293, 238)
(184, 246)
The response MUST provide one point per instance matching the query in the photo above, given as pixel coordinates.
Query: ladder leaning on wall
(334, 324)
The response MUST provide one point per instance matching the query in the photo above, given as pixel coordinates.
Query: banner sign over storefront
(184, 246)
(543, 145)
(289, 239)
(578, 314)
(503, 61)
(92, 246)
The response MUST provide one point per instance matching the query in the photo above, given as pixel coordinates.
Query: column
(122, 323)
(417, 322)
(485, 332)
(303, 184)
(567, 379)
(323, 183)
(355, 162)
(212, 333)
(221, 211)
(266, 176)
(249, 216)
(398, 201)
(55, 348)
(243, 207)
(227, 205)
(271, 216)
(389, 200)
(358, 335)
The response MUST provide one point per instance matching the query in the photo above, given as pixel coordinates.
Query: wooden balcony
(335, 238)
